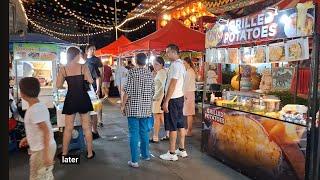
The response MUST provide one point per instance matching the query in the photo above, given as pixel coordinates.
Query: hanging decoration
(221, 6)
(188, 14)
(135, 29)
(64, 34)
(141, 14)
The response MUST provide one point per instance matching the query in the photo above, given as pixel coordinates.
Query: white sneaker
(135, 165)
(169, 157)
(181, 153)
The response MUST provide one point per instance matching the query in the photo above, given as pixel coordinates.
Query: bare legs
(94, 119)
(173, 139)
(86, 126)
(156, 128)
(105, 91)
(69, 121)
(189, 121)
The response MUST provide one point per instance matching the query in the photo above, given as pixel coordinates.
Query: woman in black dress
(77, 99)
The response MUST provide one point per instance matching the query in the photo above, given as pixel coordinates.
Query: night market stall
(257, 120)
(190, 43)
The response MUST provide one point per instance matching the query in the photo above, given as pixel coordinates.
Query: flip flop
(153, 141)
(93, 155)
(165, 138)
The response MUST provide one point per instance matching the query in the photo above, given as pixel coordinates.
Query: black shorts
(174, 119)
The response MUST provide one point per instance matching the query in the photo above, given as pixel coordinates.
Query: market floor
(112, 155)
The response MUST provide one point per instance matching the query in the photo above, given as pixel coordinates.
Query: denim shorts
(174, 119)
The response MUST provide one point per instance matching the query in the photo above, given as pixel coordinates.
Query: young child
(38, 131)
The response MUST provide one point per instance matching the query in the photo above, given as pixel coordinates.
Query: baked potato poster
(268, 24)
(260, 147)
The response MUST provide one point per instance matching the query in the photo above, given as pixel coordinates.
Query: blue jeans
(139, 132)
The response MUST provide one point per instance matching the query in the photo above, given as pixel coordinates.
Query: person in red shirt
(107, 73)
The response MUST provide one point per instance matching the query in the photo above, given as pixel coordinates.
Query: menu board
(33, 51)
(266, 25)
(259, 54)
(277, 52)
(233, 55)
(297, 49)
(292, 50)
(281, 78)
(262, 148)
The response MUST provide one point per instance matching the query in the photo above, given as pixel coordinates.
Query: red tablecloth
(303, 83)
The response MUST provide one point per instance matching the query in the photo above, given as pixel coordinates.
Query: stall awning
(113, 48)
(36, 38)
(174, 32)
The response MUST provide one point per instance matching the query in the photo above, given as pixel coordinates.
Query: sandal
(165, 138)
(91, 157)
(153, 141)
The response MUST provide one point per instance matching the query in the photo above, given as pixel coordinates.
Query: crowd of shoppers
(169, 96)
(161, 97)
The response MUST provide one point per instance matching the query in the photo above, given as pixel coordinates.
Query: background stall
(190, 43)
(36, 55)
(252, 121)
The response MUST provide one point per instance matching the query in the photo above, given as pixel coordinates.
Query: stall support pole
(297, 81)
(313, 151)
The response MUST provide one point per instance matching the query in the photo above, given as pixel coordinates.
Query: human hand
(23, 143)
(122, 109)
(97, 92)
(165, 106)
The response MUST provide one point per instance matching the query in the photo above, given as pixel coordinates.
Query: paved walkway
(112, 154)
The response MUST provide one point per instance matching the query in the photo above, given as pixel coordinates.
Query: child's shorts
(37, 169)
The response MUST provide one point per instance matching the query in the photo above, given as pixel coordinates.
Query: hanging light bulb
(193, 19)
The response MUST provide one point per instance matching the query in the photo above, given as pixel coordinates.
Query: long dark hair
(189, 61)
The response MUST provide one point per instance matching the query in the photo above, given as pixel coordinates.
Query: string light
(64, 34)
(81, 19)
(120, 25)
(76, 44)
(135, 29)
(141, 14)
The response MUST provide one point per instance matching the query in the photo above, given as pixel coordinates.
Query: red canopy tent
(173, 32)
(112, 49)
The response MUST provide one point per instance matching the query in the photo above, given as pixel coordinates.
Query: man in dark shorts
(173, 105)
(95, 67)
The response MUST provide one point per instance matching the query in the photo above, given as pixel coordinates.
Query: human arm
(159, 82)
(99, 79)
(172, 86)
(60, 79)
(87, 74)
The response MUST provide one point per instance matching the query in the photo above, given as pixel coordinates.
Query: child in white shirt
(39, 134)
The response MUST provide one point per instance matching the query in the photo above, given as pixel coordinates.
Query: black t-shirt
(94, 64)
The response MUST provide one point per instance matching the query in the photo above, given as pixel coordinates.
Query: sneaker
(135, 165)
(169, 157)
(100, 125)
(181, 153)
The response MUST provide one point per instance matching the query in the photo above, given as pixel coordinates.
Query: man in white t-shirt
(38, 130)
(173, 104)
